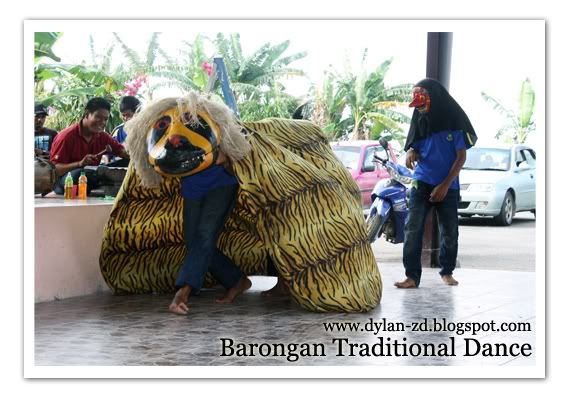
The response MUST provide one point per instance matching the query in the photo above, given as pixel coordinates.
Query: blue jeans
(203, 221)
(414, 231)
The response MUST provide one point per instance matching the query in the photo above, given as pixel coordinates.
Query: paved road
(482, 245)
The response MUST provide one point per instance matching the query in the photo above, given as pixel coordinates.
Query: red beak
(416, 102)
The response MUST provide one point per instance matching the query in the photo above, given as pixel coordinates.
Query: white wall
(68, 236)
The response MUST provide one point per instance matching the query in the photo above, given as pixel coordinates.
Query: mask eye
(162, 123)
(203, 129)
(159, 129)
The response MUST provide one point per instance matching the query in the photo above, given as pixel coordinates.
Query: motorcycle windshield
(403, 171)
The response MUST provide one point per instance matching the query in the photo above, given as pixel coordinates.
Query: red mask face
(421, 99)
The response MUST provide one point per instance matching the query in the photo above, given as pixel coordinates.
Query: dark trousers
(203, 221)
(448, 227)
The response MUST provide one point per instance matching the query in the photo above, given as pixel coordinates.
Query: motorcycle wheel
(374, 227)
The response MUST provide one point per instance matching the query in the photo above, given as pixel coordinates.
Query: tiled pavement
(137, 330)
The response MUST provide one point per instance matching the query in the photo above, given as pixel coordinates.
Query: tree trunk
(358, 134)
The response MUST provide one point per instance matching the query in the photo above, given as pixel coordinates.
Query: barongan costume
(296, 206)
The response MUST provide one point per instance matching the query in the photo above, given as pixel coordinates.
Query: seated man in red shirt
(83, 144)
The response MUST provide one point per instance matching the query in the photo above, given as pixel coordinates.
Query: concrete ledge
(68, 236)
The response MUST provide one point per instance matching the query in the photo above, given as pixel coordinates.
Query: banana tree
(67, 88)
(362, 106)
(188, 72)
(519, 124)
(256, 78)
(272, 103)
(373, 105)
(327, 107)
(264, 67)
(43, 43)
(140, 67)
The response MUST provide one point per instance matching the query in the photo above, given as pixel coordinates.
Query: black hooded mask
(444, 114)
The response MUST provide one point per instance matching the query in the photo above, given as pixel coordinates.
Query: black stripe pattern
(297, 206)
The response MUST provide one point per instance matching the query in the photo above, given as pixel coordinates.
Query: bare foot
(449, 280)
(280, 289)
(405, 284)
(243, 284)
(178, 305)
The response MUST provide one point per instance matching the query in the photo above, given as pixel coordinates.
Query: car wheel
(374, 227)
(505, 217)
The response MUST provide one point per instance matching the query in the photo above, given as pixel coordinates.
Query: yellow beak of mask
(180, 147)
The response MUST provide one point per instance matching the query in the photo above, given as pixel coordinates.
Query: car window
(491, 159)
(519, 158)
(529, 157)
(369, 157)
(348, 155)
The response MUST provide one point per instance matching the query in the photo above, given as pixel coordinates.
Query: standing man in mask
(439, 135)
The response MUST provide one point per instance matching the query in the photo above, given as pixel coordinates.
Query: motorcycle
(389, 207)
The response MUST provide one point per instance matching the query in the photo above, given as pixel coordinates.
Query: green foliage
(518, 125)
(328, 106)
(187, 72)
(526, 104)
(361, 106)
(358, 104)
(255, 78)
(71, 87)
(43, 42)
(67, 88)
(101, 61)
(136, 65)
(274, 103)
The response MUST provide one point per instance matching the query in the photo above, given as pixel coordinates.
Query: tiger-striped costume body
(296, 206)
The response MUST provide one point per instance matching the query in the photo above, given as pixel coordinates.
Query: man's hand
(89, 159)
(412, 157)
(124, 154)
(438, 193)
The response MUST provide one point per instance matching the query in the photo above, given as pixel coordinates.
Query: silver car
(498, 182)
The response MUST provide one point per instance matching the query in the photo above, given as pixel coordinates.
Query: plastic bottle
(68, 187)
(82, 187)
